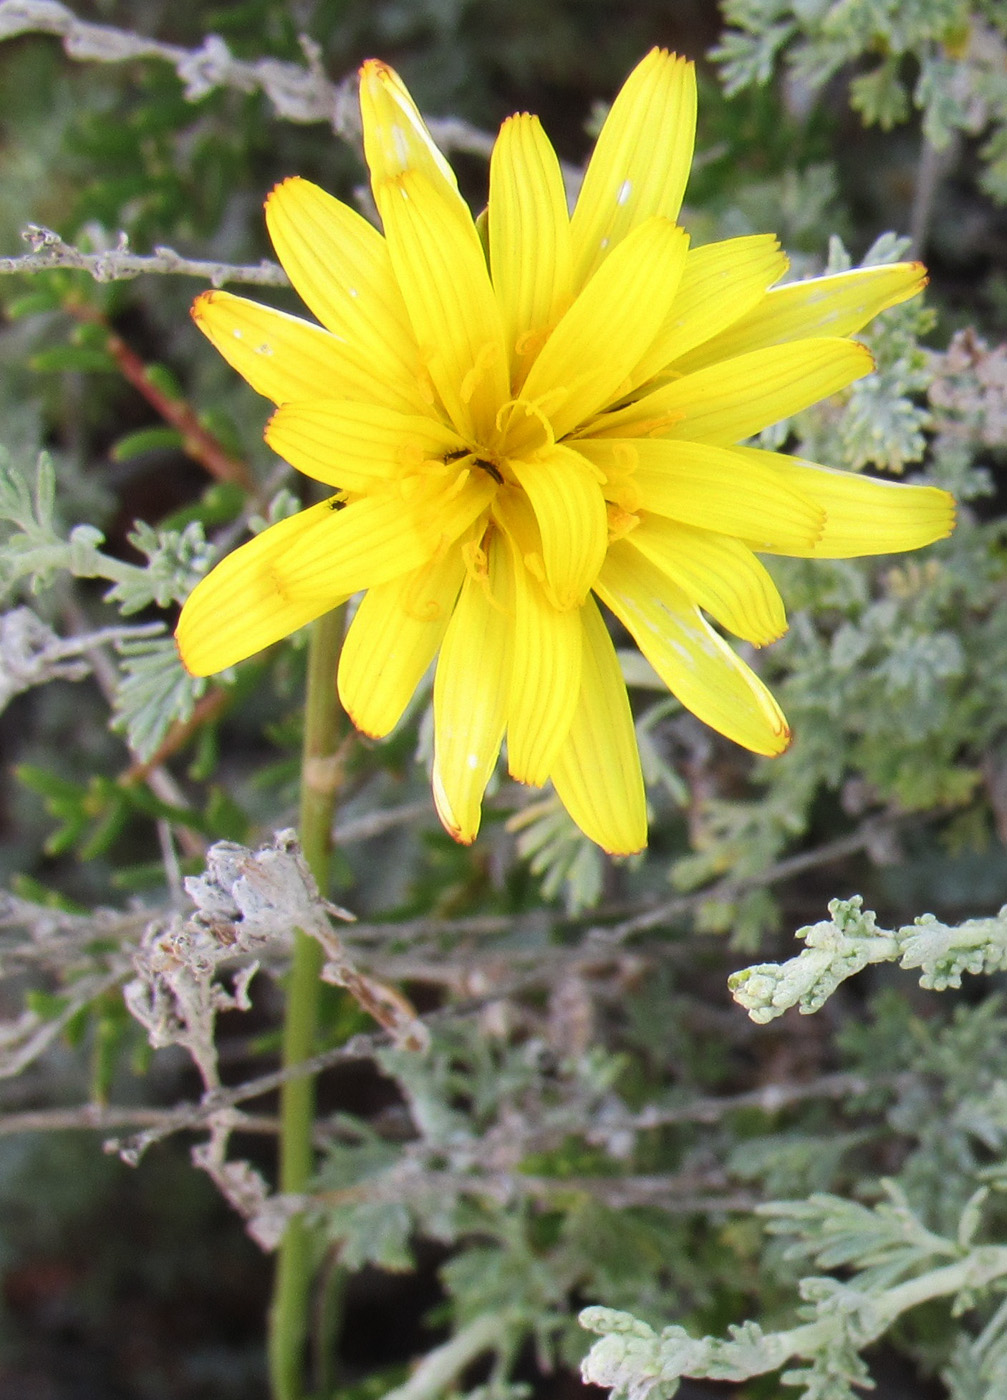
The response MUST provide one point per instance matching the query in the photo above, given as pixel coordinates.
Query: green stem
(320, 782)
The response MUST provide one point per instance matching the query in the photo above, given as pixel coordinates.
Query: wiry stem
(321, 776)
(197, 442)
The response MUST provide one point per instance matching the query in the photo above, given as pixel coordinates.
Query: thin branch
(360, 1047)
(370, 824)
(196, 1116)
(119, 264)
(601, 935)
(159, 780)
(104, 1118)
(197, 442)
(732, 888)
(298, 93)
(770, 1098)
(682, 1192)
(527, 933)
(206, 709)
(931, 170)
(60, 940)
(31, 1035)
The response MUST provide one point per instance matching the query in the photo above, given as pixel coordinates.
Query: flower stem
(321, 776)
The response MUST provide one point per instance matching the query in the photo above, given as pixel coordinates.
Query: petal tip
(917, 279)
(660, 54)
(870, 363)
(463, 834)
(185, 650)
(626, 848)
(201, 302)
(181, 654)
(769, 637)
(286, 184)
(529, 777)
(783, 736)
(951, 507)
(273, 421)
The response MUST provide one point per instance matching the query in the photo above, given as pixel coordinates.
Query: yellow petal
(379, 537)
(727, 402)
(546, 677)
(529, 238)
(695, 663)
(285, 358)
(439, 263)
(356, 446)
(862, 515)
(586, 361)
(720, 282)
(392, 640)
(641, 160)
(718, 573)
(471, 688)
(396, 138)
(281, 356)
(569, 506)
(839, 304)
(239, 608)
(597, 771)
(339, 266)
(710, 487)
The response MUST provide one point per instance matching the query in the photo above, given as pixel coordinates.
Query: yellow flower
(531, 411)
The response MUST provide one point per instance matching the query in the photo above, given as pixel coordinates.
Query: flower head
(525, 414)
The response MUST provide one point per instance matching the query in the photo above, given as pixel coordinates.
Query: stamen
(626, 456)
(484, 360)
(411, 457)
(618, 482)
(656, 426)
(518, 432)
(476, 563)
(418, 607)
(626, 495)
(620, 522)
(530, 342)
(610, 424)
(555, 398)
(478, 568)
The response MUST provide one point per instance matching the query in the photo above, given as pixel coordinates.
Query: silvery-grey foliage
(844, 944)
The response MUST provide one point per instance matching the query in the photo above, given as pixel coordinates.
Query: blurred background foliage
(595, 1122)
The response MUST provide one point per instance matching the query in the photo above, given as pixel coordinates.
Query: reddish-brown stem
(197, 442)
(178, 736)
